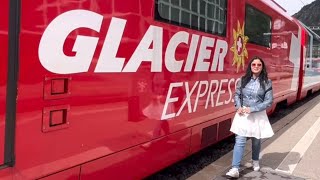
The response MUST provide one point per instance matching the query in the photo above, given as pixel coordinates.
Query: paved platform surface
(292, 153)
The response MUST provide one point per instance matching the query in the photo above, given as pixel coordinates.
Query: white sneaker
(233, 172)
(255, 165)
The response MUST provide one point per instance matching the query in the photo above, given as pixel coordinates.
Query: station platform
(292, 153)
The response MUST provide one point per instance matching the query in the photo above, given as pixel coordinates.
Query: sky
(293, 6)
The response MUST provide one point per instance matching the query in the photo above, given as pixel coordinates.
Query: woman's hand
(246, 110)
(243, 110)
(240, 111)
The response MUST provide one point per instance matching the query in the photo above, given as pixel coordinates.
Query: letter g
(50, 51)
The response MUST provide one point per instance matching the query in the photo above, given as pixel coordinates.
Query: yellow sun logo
(239, 47)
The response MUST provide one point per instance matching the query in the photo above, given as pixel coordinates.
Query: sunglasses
(256, 65)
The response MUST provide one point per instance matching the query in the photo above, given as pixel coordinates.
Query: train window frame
(197, 15)
(312, 47)
(253, 35)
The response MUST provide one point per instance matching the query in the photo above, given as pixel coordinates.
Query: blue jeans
(239, 147)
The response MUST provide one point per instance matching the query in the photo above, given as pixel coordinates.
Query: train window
(257, 26)
(204, 15)
(313, 50)
(316, 47)
(312, 41)
(308, 53)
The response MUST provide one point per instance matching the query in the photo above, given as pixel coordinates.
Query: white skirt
(255, 124)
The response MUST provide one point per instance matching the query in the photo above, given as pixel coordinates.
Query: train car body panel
(69, 118)
(108, 87)
(158, 153)
(70, 174)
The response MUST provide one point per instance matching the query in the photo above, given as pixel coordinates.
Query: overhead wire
(302, 2)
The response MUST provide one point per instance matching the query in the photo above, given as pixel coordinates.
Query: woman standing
(252, 97)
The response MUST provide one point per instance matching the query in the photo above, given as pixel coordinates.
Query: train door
(3, 74)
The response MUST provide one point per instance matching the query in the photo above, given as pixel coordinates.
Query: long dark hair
(263, 77)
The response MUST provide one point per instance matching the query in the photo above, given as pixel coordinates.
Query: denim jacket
(254, 96)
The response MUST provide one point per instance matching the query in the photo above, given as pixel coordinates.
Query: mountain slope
(310, 14)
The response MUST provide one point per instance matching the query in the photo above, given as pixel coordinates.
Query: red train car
(97, 89)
